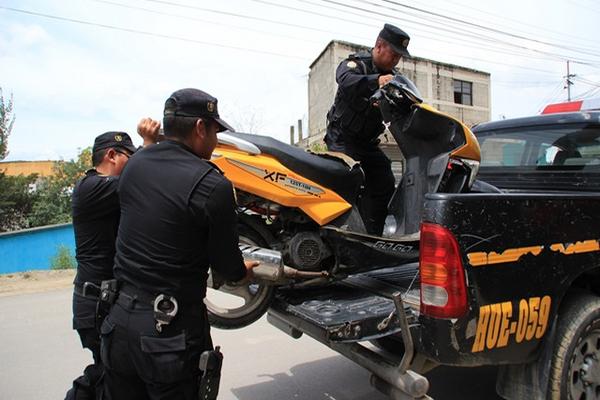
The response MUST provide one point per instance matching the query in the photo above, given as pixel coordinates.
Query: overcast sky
(77, 68)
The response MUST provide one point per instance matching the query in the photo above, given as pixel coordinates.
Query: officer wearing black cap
(178, 218)
(95, 212)
(354, 124)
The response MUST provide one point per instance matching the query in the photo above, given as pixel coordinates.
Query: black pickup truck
(509, 275)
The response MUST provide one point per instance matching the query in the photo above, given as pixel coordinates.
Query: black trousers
(84, 318)
(86, 387)
(379, 180)
(141, 363)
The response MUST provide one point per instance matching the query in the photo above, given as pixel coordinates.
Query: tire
(254, 307)
(575, 366)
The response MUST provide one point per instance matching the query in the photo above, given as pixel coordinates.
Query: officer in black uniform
(354, 125)
(178, 217)
(95, 211)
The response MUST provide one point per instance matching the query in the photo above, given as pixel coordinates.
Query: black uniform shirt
(352, 117)
(178, 216)
(95, 210)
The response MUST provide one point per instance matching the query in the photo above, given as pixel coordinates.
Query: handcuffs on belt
(165, 309)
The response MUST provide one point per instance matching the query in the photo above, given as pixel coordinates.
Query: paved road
(40, 355)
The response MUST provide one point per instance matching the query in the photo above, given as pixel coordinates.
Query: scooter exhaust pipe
(271, 267)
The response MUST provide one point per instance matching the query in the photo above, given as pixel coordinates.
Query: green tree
(53, 202)
(17, 199)
(7, 120)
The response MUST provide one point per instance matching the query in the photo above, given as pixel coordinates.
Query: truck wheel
(236, 306)
(575, 368)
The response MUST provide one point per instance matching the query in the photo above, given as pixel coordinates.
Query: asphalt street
(40, 355)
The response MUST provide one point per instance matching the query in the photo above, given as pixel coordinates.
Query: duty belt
(135, 295)
(88, 290)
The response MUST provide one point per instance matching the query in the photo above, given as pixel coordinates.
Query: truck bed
(358, 308)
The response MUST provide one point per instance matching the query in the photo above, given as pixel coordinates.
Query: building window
(463, 92)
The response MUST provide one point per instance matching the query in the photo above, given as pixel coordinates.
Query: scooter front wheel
(235, 306)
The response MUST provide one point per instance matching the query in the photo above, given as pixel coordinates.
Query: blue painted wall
(33, 248)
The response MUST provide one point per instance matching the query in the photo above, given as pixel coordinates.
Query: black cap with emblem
(195, 103)
(396, 37)
(114, 140)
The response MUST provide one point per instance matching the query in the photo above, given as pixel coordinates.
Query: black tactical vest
(352, 113)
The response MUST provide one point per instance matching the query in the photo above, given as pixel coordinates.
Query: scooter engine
(306, 250)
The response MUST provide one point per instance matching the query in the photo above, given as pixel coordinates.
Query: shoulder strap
(361, 57)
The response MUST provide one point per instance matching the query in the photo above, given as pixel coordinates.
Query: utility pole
(300, 130)
(568, 82)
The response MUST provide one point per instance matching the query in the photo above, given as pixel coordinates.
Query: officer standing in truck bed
(354, 124)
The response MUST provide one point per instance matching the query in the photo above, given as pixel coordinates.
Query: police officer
(95, 212)
(354, 124)
(178, 217)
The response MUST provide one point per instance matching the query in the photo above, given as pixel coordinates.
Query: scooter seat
(332, 173)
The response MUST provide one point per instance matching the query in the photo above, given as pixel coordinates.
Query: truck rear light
(435, 295)
(443, 286)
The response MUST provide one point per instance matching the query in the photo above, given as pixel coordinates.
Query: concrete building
(459, 91)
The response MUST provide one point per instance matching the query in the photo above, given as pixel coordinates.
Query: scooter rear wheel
(236, 306)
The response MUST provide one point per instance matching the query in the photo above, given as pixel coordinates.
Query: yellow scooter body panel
(264, 176)
(470, 150)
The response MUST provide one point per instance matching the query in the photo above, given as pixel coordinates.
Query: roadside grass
(63, 259)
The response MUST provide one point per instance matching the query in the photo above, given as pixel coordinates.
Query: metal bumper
(360, 315)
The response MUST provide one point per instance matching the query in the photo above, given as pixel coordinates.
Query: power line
(498, 62)
(271, 21)
(146, 33)
(473, 34)
(314, 13)
(479, 26)
(588, 94)
(362, 22)
(187, 6)
(492, 44)
(337, 17)
(523, 83)
(187, 17)
(586, 81)
(460, 33)
(171, 37)
(475, 43)
(521, 23)
(587, 7)
(547, 100)
(176, 4)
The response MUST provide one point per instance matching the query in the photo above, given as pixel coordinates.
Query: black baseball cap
(114, 140)
(195, 103)
(396, 37)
